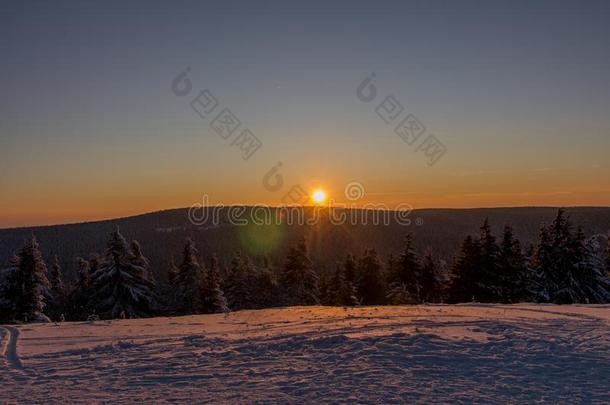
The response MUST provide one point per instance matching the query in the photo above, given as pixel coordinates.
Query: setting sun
(318, 196)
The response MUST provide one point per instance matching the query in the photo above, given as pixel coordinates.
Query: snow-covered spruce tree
(121, 289)
(567, 267)
(371, 284)
(237, 285)
(188, 282)
(542, 263)
(398, 294)
(431, 283)
(514, 274)
(141, 261)
(214, 300)
(172, 272)
(607, 260)
(31, 284)
(489, 283)
(265, 286)
(9, 291)
(350, 270)
(406, 272)
(58, 296)
(298, 280)
(591, 285)
(80, 292)
(463, 284)
(340, 291)
(475, 274)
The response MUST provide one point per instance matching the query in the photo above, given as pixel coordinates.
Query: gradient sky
(519, 93)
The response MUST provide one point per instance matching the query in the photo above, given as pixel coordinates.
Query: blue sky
(518, 92)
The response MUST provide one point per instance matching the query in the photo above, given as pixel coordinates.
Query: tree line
(563, 267)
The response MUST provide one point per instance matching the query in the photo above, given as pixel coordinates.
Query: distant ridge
(162, 233)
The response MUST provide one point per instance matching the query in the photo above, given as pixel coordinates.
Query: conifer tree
(567, 267)
(238, 286)
(350, 270)
(431, 286)
(214, 300)
(407, 273)
(265, 286)
(371, 281)
(326, 295)
(172, 272)
(398, 294)
(121, 288)
(9, 290)
(542, 263)
(94, 264)
(141, 261)
(57, 297)
(30, 283)
(298, 279)
(489, 283)
(78, 306)
(513, 270)
(476, 274)
(608, 258)
(341, 292)
(188, 282)
(464, 274)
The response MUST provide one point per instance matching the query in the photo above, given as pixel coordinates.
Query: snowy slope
(431, 354)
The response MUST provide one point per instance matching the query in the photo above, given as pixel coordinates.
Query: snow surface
(429, 354)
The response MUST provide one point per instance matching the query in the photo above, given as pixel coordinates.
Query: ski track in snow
(9, 347)
(431, 354)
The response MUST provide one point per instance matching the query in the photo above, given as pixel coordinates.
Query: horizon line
(135, 215)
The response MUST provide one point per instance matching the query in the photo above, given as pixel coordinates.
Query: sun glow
(318, 196)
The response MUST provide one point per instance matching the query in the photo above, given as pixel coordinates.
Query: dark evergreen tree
(371, 280)
(58, 295)
(325, 288)
(94, 264)
(121, 288)
(398, 294)
(188, 282)
(488, 278)
(30, 284)
(341, 292)
(476, 274)
(542, 264)
(350, 269)
(141, 261)
(406, 272)
(299, 281)
(172, 272)
(78, 305)
(567, 267)
(265, 287)
(608, 257)
(431, 284)
(214, 300)
(238, 287)
(9, 291)
(464, 274)
(587, 282)
(513, 271)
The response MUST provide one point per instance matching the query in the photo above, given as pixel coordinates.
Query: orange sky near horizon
(92, 125)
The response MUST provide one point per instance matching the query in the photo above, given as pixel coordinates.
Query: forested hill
(162, 235)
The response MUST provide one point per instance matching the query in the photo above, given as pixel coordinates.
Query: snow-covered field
(429, 354)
